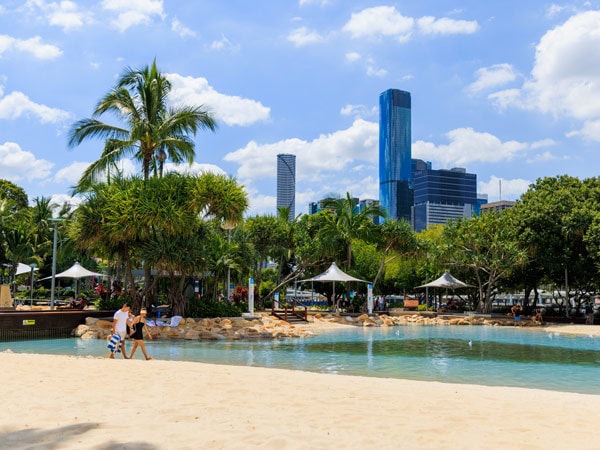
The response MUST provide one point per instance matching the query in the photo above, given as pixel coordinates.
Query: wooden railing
(286, 310)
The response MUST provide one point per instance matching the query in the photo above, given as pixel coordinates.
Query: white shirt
(121, 317)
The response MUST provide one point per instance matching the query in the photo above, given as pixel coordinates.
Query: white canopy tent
(334, 274)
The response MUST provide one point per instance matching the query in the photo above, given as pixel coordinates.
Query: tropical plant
(152, 131)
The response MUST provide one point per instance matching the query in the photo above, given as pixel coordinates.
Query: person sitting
(538, 316)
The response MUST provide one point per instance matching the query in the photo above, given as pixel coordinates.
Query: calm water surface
(494, 356)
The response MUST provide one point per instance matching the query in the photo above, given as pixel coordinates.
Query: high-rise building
(441, 195)
(286, 183)
(395, 190)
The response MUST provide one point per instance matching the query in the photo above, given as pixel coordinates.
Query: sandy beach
(62, 402)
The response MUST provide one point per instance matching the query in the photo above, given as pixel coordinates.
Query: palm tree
(348, 224)
(151, 132)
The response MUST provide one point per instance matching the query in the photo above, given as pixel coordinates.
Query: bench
(411, 304)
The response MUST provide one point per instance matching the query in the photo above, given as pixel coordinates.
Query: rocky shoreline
(265, 326)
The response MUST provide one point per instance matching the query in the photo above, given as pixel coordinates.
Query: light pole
(33, 267)
(53, 284)
(226, 225)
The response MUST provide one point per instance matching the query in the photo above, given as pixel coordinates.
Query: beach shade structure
(445, 281)
(334, 274)
(76, 271)
(23, 268)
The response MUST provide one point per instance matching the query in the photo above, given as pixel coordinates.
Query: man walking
(121, 320)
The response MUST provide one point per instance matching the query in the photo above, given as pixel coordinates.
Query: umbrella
(334, 274)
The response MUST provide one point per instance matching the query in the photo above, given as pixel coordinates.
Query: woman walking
(139, 325)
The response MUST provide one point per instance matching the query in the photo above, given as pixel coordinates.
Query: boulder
(90, 335)
(81, 330)
(103, 324)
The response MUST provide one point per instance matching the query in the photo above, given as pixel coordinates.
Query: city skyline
(509, 91)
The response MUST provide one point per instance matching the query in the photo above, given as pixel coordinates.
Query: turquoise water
(494, 356)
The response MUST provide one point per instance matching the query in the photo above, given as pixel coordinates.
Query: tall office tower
(441, 195)
(395, 190)
(286, 183)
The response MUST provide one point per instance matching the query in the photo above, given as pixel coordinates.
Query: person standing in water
(139, 325)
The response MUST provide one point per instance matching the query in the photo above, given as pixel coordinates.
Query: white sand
(61, 402)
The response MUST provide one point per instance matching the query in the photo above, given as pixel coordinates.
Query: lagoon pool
(493, 356)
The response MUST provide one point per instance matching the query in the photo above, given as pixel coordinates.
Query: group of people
(126, 324)
(517, 310)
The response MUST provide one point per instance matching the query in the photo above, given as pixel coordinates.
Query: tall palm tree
(348, 224)
(151, 131)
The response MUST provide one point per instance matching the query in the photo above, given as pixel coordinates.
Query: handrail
(285, 306)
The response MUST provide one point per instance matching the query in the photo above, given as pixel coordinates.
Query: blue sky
(509, 90)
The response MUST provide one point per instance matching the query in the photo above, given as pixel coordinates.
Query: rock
(362, 317)
(103, 324)
(81, 330)
(191, 335)
(89, 335)
(91, 320)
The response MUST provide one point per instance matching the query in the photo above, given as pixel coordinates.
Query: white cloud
(334, 152)
(17, 104)
(374, 71)
(387, 21)
(61, 199)
(194, 169)
(303, 36)
(232, 110)
(468, 146)
(352, 56)
(65, 14)
(543, 143)
(223, 44)
(134, 12)
(311, 2)
(72, 173)
(380, 20)
(359, 111)
(511, 189)
(565, 79)
(504, 99)
(17, 164)
(431, 25)
(181, 29)
(492, 77)
(590, 131)
(33, 46)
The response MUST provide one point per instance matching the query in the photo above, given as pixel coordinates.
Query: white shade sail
(334, 274)
(446, 281)
(76, 271)
(23, 268)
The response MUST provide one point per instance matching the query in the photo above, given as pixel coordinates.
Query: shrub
(110, 303)
(211, 308)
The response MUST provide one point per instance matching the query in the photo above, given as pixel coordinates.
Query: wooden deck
(17, 325)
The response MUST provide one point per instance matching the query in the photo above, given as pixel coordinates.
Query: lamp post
(226, 225)
(53, 283)
(33, 267)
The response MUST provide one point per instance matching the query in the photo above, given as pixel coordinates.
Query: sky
(508, 90)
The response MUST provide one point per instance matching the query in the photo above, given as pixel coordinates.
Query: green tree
(151, 130)
(487, 245)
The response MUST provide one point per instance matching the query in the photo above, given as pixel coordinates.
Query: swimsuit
(138, 334)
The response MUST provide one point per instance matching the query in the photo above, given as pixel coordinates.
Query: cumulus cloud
(431, 25)
(16, 104)
(232, 110)
(359, 111)
(374, 71)
(181, 29)
(134, 12)
(352, 56)
(194, 169)
(33, 46)
(565, 79)
(64, 14)
(511, 189)
(380, 21)
(334, 152)
(61, 199)
(387, 21)
(17, 164)
(467, 146)
(72, 173)
(303, 36)
(590, 131)
(313, 2)
(492, 77)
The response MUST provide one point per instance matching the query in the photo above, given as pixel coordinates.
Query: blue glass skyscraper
(286, 183)
(395, 193)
